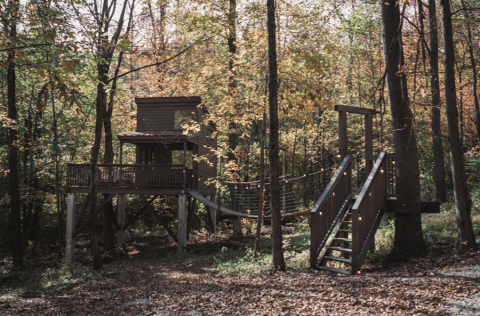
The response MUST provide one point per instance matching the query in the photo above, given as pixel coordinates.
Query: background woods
(64, 99)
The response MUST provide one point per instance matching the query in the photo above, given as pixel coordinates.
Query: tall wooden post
(368, 144)
(342, 134)
(121, 218)
(70, 242)
(182, 221)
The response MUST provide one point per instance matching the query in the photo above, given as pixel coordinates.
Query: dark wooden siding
(154, 119)
(157, 114)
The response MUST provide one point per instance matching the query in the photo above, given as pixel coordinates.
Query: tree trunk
(462, 199)
(439, 164)
(100, 105)
(108, 217)
(278, 259)
(474, 68)
(233, 136)
(408, 227)
(15, 213)
(262, 187)
(232, 51)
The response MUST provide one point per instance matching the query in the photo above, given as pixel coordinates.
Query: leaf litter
(152, 284)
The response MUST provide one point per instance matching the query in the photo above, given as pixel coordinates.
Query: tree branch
(22, 47)
(154, 64)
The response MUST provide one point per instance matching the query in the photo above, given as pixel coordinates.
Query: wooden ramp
(222, 209)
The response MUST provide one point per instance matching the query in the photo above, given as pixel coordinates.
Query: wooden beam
(342, 134)
(158, 217)
(412, 207)
(354, 109)
(132, 190)
(137, 215)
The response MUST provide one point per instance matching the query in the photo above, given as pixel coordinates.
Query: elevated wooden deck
(131, 179)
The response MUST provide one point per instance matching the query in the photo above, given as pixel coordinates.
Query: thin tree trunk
(466, 237)
(233, 136)
(15, 213)
(100, 103)
(408, 240)
(262, 186)
(474, 68)
(57, 172)
(439, 164)
(232, 51)
(278, 259)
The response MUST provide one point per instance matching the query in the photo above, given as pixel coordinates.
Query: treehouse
(174, 155)
(170, 135)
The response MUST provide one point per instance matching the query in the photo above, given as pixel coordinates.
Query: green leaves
(124, 44)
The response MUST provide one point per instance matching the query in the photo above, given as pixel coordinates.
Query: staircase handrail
(368, 210)
(328, 209)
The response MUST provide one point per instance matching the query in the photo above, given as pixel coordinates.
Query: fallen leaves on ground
(155, 286)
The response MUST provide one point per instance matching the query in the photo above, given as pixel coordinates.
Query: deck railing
(391, 172)
(131, 176)
(368, 211)
(330, 208)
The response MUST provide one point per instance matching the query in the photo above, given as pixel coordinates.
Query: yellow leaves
(71, 64)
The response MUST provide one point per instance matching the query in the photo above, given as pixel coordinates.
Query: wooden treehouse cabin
(171, 133)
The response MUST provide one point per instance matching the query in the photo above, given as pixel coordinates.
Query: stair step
(341, 249)
(333, 270)
(347, 222)
(342, 239)
(345, 230)
(344, 260)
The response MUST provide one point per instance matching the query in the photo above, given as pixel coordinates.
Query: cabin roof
(153, 133)
(164, 137)
(168, 100)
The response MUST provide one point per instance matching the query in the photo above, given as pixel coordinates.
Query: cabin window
(182, 117)
(147, 156)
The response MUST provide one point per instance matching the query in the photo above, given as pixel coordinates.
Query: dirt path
(437, 285)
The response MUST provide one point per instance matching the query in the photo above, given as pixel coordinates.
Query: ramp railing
(330, 208)
(368, 210)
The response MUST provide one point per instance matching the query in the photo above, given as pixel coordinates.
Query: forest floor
(152, 279)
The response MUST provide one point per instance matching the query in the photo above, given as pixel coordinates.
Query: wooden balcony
(125, 179)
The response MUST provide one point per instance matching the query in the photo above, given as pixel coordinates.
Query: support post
(342, 133)
(182, 221)
(121, 219)
(70, 242)
(368, 144)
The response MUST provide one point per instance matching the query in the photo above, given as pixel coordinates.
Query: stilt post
(182, 221)
(70, 242)
(121, 218)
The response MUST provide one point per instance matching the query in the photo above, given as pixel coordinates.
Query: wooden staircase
(343, 229)
(338, 254)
